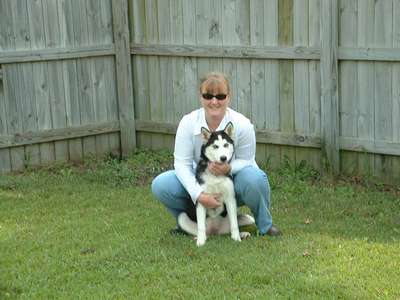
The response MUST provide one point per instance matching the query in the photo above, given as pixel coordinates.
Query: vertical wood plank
(365, 120)
(178, 66)
(230, 38)
(348, 93)
(155, 97)
(41, 80)
(81, 38)
(286, 83)
(204, 28)
(165, 73)
(272, 102)
(140, 70)
(7, 31)
(5, 159)
(396, 90)
(244, 97)
(55, 70)
(215, 33)
(12, 81)
(124, 77)
(257, 74)
(25, 70)
(190, 63)
(315, 81)
(329, 86)
(98, 35)
(20, 41)
(109, 86)
(301, 75)
(383, 31)
(70, 75)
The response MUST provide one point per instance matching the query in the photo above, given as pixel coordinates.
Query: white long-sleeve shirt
(188, 142)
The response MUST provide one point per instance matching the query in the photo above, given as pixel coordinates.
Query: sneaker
(273, 231)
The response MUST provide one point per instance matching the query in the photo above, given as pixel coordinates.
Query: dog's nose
(223, 158)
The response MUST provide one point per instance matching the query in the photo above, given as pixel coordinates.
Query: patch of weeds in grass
(138, 169)
(292, 178)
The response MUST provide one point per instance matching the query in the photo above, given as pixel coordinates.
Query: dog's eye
(215, 147)
(226, 145)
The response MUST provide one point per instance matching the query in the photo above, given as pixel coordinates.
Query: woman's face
(215, 108)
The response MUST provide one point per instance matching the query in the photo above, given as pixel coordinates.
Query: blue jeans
(251, 188)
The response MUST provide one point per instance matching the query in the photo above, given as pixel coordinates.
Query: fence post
(124, 76)
(329, 86)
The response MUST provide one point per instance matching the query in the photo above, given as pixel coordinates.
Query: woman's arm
(245, 150)
(184, 157)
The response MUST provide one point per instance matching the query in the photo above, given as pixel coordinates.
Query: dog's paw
(244, 235)
(201, 240)
(236, 236)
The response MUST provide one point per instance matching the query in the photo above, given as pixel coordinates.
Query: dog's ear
(205, 133)
(229, 130)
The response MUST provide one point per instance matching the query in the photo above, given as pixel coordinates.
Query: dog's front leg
(232, 215)
(201, 224)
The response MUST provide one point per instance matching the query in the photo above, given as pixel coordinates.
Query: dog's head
(218, 145)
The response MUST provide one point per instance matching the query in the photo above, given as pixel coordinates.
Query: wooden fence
(318, 78)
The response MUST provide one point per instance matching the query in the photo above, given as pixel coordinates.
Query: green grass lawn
(96, 232)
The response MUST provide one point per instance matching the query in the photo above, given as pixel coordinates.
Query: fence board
(178, 64)
(55, 70)
(329, 85)
(99, 34)
(396, 88)
(383, 84)
(70, 75)
(14, 112)
(301, 74)
(286, 83)
(155, 97)
(244, 99)
(40, 80)
(190, 64)
(5, 160)
(365, 72)
(348, 83)
(229, 38)
(140, 69)
(272, 116)
(203, 35)
(314, 8)
(166, 75)
(257, 75)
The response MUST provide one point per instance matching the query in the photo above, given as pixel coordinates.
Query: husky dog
(217, 146)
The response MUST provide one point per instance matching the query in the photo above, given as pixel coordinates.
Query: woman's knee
(167, 186)
(252, 178)
(159, 185)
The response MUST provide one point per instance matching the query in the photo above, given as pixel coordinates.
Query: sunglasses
(219, 97)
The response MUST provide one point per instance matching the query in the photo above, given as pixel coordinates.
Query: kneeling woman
(178, 189)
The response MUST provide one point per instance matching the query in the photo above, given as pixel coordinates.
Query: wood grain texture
(329, 85)
(124, 77)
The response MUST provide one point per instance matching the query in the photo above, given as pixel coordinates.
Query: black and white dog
(217, 146)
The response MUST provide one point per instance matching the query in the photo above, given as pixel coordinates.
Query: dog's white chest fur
(218, 185)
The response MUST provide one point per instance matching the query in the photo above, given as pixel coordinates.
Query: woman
(178, 189)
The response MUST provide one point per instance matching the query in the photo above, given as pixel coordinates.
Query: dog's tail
(187, 224)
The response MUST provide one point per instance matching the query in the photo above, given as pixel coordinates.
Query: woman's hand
(209, 200)
(219, 169)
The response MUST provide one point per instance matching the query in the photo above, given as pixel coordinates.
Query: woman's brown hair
(214, 78)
